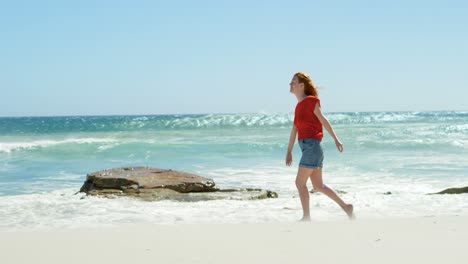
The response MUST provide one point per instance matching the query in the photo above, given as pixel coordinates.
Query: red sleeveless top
(306, 122)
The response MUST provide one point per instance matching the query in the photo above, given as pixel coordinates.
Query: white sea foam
(12, 146)
(242, 120)
(63, 209)
(366, 190)
(285, 119)
(457, 128)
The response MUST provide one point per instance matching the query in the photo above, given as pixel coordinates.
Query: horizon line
(224, 113)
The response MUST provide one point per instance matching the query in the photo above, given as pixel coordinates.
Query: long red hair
(309, 87)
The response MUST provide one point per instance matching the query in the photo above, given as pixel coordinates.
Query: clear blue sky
(175, 57)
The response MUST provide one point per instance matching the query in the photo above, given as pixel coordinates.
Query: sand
(414, 240)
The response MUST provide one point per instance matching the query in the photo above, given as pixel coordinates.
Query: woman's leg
(317, 183)
(303, 175)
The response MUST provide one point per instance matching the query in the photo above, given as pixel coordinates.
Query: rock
(387, 193)
(453, 191)
(157, 184)
(136, 178)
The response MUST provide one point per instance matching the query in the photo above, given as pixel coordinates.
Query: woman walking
(308, 123)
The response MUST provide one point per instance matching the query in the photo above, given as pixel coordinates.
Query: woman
(308, 123)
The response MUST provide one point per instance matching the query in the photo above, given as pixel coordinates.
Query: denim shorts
(312, 153)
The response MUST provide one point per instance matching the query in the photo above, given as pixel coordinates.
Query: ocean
(391, 161)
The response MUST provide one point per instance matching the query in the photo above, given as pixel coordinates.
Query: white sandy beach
(416, 240)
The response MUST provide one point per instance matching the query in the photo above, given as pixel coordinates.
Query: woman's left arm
(328, 126)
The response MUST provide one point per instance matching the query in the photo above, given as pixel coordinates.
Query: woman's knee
(301, 184)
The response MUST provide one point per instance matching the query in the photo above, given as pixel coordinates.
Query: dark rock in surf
(132, 179)
(453, 191)
(157, 184)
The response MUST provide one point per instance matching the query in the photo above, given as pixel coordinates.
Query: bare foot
(305, 219)
(349, 209)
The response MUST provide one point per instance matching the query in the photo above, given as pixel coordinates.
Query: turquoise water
(407, 153)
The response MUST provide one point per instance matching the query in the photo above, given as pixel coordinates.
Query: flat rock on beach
(156, 184)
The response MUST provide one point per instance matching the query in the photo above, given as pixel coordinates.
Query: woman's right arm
(292, 140)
